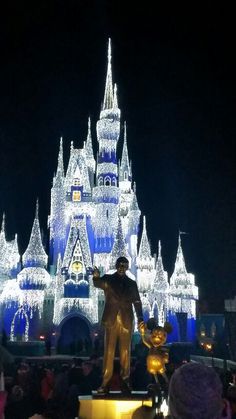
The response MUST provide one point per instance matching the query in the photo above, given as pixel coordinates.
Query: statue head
(122, 264)
(158, 333)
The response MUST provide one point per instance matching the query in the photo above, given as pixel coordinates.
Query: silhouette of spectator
(195, 392)
(231, 397)
(48, 345)
(17, 406)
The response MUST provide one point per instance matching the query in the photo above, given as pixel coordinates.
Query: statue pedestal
(115, 405)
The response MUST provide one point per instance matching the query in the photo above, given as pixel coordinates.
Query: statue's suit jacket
(121, 293)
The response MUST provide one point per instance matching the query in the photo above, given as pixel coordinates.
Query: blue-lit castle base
(94, 219)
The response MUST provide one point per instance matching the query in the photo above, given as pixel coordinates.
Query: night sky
(175, 70)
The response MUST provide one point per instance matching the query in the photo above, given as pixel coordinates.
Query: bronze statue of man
(121, 294)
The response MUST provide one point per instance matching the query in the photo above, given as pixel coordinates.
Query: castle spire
(3, 242)
(3, 227)
(108, 96)
(35, 254)
(144, 249)
(60, 165)
(119, 247)
(134, 203)
(161, 281)
(180, 267)
(125, 165)
(89, 149)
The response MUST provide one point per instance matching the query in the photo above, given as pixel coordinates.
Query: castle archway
(74, 336)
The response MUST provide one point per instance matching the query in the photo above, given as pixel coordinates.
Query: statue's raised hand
(96, 273)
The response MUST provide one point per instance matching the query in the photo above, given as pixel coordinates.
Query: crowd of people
(52, 390)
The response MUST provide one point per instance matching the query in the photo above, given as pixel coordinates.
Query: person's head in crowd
(231, 397)
(95, 360)
(87, 368)
(17, 393)
(195, 392)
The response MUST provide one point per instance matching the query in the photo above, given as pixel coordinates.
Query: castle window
(76, 196)
(114, 181)
(77, 182)
(100, 181)
(125, 175)
(107, 181)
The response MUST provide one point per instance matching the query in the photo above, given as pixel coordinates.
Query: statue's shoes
(103, 390)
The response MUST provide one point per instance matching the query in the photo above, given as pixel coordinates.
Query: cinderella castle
(94, 219)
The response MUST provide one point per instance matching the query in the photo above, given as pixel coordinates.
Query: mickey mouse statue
(157, 355)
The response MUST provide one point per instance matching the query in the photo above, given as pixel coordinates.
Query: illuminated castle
(94, 219)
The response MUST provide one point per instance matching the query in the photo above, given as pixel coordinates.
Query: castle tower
(88, 147)
(160, 294)
(145, 263)
(183, 293)
(106, 192)
(57, 214)
(125, 174)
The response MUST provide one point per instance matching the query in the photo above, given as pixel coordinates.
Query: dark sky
(175, 70)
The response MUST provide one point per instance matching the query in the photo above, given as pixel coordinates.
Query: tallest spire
(108, 96)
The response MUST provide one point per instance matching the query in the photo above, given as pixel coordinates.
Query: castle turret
(125, 174)
(119, 247)
(145, 263)
(33, 279)
(35, 254)
(56, 220)
(160, 295)
(90, 161)
(106, 193)
(183, 292)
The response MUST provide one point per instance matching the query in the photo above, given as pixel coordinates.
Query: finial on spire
(89, 130)
(125, 131)
(109, 51)
(3, 222)
(37, 209)
(144, 222)
(159, 248)
(71, 146)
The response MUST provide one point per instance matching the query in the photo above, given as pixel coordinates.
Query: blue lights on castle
(94, 218)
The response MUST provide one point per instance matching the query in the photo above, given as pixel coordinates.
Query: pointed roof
(15, 249)
(134, 203)
(180, 274)
(119, 246)
(108, 96)
(3, 227)
(59, 177)
(89, 148)
(77, 173)
(2, 235)
(125, 158)
(144, 249)
(35, 254)
(161, 281)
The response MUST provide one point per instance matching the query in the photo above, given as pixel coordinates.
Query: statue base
(114, 405)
